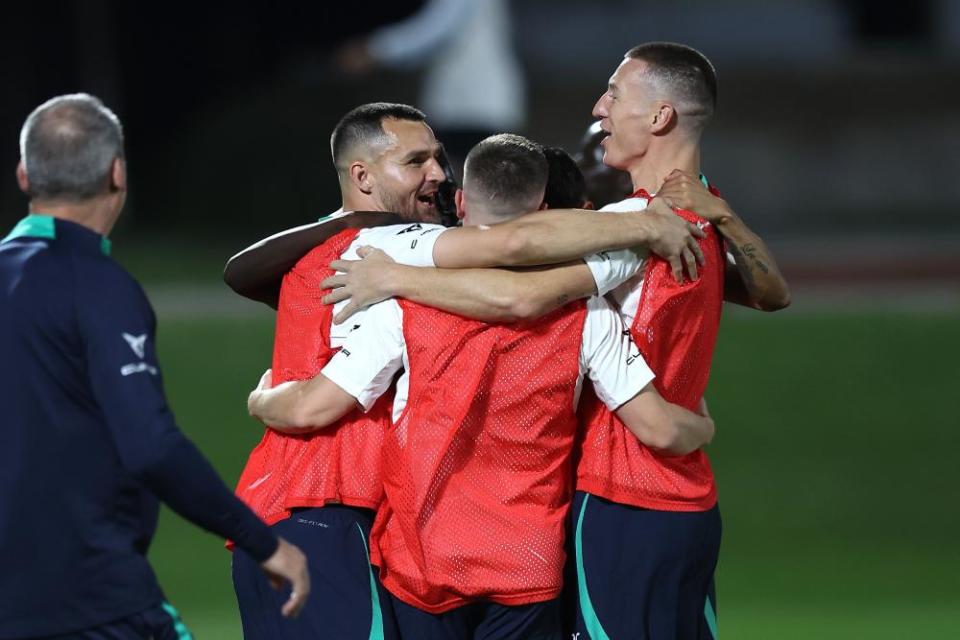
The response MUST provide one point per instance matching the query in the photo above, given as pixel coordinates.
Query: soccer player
(89, 444)
(320, 490)
(469, 538)
(646, 527)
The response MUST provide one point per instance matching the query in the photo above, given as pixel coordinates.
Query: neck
(98, 214)
(652, 169)
(358, 201)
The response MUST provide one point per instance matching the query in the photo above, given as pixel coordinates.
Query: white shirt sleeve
(371, 354)
(610, 357)
(410, 244)
(610, 269)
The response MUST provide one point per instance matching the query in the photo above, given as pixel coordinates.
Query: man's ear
(663, 119)
(458, 199)
(118, 175)
(588, 204)
(22, 181)
(361, 177)
(543, 205)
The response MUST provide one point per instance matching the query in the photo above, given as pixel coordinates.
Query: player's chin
(428, 210)
(613, 160)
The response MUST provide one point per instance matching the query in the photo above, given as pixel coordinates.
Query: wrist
(392, 281)
(725, 217)
(642, 229)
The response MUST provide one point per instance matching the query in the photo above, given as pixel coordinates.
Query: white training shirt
(376, 350)
(620, 273)
(410, 244)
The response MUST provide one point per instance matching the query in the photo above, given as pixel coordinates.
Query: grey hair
(68, 145)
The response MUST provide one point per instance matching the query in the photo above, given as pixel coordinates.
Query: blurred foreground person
(89, 444)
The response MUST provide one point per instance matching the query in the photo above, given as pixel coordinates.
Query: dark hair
(507, 172)
(68, 145)
(688, 74)
(364, 126)
(566, 187)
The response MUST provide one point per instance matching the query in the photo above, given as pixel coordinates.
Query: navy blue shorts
(481, 621)
(346, 599)
(639, 573)
(157, 623)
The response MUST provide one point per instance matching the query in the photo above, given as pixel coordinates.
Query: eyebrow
(421, 153)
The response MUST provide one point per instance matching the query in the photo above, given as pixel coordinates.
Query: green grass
(835, 458)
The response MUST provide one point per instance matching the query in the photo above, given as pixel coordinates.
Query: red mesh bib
(477, 469)
(341, 463)
(675, 329)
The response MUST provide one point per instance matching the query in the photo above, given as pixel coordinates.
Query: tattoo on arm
(743, 265)
(751, 252)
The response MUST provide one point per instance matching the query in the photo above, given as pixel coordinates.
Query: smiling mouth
(428, 199)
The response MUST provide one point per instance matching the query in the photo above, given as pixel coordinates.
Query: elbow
(668, 439)
(304, 419)
(518, 248)
(660, 435)
(776, 301)
(512, 304)
(526, 307)
(233, 274)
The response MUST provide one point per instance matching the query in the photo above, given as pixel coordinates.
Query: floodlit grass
(835, 457)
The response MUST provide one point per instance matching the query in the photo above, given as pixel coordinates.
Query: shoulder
(102, 281)
(629, 204)
(389, 232)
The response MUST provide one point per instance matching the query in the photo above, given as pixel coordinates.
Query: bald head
(67, 147)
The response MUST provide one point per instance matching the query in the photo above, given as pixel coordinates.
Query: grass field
(835, 457)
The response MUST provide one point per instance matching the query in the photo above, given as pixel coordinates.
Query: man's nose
(600, 108)
(435, 171)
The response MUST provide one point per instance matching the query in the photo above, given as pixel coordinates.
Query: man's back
(477, 465)
(67, 504)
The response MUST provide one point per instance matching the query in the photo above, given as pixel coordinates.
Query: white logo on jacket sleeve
(139, 367)
(137, 343)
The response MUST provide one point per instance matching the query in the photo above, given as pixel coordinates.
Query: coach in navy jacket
(87, 442)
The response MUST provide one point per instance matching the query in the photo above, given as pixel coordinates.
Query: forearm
(182, 478)
(547, 237)
(664, 426)
(757, 281)
(287, 407)
(692, 431)
(492, 295)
